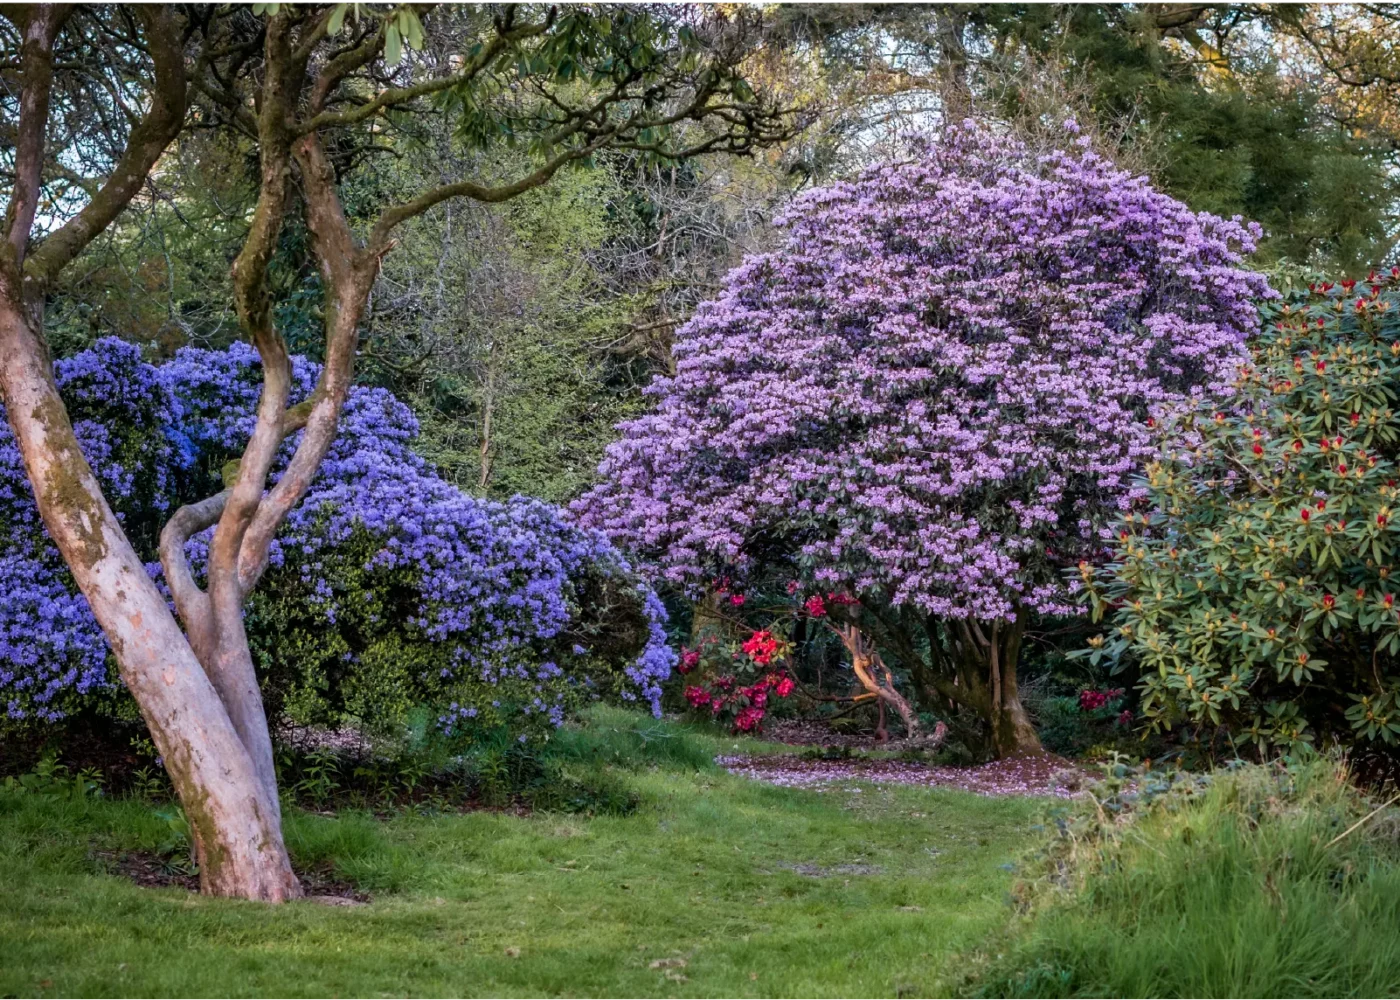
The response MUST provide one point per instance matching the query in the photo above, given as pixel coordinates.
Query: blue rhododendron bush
(390, 590)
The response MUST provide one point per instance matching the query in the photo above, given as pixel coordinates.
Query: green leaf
(337, 19)
(411, 28)
(393, 46)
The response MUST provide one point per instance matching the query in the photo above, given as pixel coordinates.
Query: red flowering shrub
(735, 667)
(722, 695)
(1091, 699)
(760, 647)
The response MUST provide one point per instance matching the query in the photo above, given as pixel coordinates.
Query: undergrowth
(1256, 880)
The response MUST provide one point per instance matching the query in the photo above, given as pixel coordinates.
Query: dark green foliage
(1250, 590)
(1067, 729)
(1234, 137)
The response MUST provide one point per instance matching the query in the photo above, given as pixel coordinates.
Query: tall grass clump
(1257, 880)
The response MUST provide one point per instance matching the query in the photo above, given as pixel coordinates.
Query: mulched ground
(817, 733)
(151, 870)
(1031, 774)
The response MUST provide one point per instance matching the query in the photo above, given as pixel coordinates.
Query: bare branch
(38, 27)
(338, 68)
(148, 140)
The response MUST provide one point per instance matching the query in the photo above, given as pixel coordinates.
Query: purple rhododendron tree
(931, 399)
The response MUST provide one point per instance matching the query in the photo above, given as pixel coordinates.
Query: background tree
(1274, 112)
(314, 86)
(929, 399)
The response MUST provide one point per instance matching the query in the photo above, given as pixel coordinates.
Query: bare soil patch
(153, 871)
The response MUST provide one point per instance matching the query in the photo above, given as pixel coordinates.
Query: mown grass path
(716, 886)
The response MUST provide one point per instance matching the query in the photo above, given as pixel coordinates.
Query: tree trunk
(234, 822)
(1012, 732)
(973, 665)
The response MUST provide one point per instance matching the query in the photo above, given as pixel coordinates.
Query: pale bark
(233, 816)
(199, 695)
(875, 676)
(236, 829)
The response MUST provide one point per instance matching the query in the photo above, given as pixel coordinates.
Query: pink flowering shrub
(933, 397)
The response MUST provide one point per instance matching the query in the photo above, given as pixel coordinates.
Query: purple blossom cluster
(485, 607)
(124, 416)
(50, 645)
(934, 394)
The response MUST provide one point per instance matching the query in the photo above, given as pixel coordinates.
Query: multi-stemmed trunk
(975, 664)
(196, 688)
(970, 664)
(232, 812)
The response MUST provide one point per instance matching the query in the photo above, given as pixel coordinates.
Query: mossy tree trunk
(233, 815)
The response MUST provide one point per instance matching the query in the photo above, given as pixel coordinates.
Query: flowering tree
(310, 85)
(388, 588)
(932, 398)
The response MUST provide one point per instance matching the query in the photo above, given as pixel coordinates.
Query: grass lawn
(715, 886)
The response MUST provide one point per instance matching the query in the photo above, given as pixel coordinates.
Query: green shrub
(1251, 585)
(1253, 881)
(1065, 727)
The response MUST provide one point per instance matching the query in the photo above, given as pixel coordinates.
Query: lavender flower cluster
(934, 394)
(487, 610)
